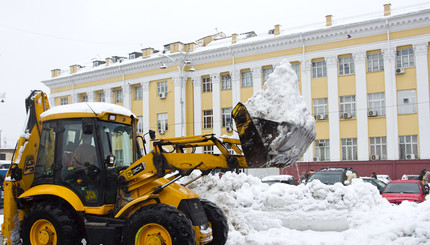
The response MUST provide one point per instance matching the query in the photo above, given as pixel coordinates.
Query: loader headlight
(112, 117)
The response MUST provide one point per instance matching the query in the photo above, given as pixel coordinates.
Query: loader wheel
(217, 221)
(50, 223)
(158, 224)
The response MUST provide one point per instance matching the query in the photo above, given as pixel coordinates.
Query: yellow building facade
(366, 82)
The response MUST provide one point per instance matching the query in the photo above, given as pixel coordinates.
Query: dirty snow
(312, 214)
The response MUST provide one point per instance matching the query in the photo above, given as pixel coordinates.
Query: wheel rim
(43, 233)
(153, 234)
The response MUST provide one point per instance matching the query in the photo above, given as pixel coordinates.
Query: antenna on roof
(91, 108)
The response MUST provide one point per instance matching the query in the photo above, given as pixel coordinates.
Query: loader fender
(55, 190)
(135, 202)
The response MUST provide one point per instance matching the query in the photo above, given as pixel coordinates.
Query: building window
(84, 98)
(225, 81)
(229, 148)
(138, 93)
(405, 58)
(296, 68)
(349, 149)
(2, 156)
(246, 79)
(346, 66)
(101, 97)
(375, 62)
(407, 101)
(208, 149)
(319, 69)
(226, 116)
(140, 125)
(118, 96)
(320, 108)
(64, 101)
(322, 150)
(378, 148)
(266, 73)
(408, 146)
(207, 119)
(376, 104)
(162, 122)
(207, 84)
(347, 106)
(162, 87)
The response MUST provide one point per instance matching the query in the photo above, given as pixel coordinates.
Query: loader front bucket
(267, 143)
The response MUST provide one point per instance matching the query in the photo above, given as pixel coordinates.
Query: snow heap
(312, 214)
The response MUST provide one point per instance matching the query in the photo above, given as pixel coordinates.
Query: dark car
(376, 182)
(330, 176)
(398, 191)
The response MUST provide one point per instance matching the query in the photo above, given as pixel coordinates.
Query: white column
(307, 96)
(256, 79)
(391, 104)
(75, 97)
(198, 107)
(333, 108)
(108, 95)
(216, 103)
(145, 110)
(421, 59)
(178, 106)
(216, 106)
(361, 106)
(91, 96)
(235, 86)
(126, 89)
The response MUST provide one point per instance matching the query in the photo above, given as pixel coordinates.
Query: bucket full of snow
(274, 126)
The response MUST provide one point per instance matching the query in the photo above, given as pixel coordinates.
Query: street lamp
(181, 64)
(2, 97)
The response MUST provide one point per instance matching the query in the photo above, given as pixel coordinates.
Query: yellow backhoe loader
(81, 174)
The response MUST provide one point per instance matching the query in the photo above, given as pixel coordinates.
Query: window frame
(322, 149)
(162, 87)
(162, 122)
(207, 119)
(246, 79)
(319, 69)
(206, 84)
(349, 149)
(101, 97)
(64, 101)
(409, 107)
(226, 116)
(408, 144)
(266, 72)
(138, 92)
(226, 82)
(346, 66)
(345, 104)
(119, 96)
(375, 62)
(378, 146)
(320, 108)
(405, 57)
(376, 104)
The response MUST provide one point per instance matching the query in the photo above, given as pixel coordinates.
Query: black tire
(61, 220)
(218, 222)
(177, 226)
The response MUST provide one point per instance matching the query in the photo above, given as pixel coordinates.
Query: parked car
(410, 177)
(329, 176)
(384, 178)
(398, 191)
(283, 178)
(376, 182)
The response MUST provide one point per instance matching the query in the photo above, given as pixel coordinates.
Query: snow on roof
(88, 107)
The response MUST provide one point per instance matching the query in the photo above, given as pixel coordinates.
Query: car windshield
(376, 182)
(118, 140)
(402, 188)
(326, 178)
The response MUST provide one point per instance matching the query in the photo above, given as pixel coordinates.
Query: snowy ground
(313, 213)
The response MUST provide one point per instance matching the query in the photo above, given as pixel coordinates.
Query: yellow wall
(407, 80)
(408, 124)
(346, 85)
(377, 126)
(348, 128)
(319, 87)
(322, 128)
(375, 82)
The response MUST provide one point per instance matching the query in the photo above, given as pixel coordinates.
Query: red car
(398, 191)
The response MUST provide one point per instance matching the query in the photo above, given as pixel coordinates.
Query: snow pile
(88, 107)
(312, 214)
(290, 128)
(280, 100)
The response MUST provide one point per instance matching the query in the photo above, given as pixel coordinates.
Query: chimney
(277, 30)
(190, 47)
(328, 20)
(74, 68)
(55, 73)
(146, 52)
(387, 9)
(108, 61)
(233, 38)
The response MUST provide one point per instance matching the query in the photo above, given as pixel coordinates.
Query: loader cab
(85, 155)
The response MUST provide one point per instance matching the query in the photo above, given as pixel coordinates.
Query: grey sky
(38, 36)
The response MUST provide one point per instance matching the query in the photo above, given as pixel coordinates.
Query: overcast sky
(38, 36)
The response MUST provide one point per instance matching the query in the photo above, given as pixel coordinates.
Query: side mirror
(346, 182)
(110, 160)
(152, 134)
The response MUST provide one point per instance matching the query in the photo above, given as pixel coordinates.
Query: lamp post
(181, 64)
